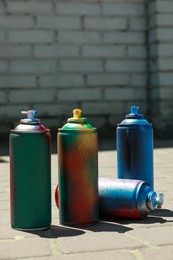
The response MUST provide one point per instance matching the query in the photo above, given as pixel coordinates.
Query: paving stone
(18, 248)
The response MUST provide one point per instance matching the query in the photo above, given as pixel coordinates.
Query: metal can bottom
(79, 225)
(31, 229)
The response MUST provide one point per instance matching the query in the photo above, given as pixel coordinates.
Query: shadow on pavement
(162, 213)
(147, 220)
(105, 226)
(57, 231)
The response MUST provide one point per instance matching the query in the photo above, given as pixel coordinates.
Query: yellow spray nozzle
(77, 113)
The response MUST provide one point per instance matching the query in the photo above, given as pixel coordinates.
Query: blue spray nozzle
(30, 115)
(134, 110)
(134, 113)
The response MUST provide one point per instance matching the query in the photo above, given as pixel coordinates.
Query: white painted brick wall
(16, 22)
(79, 37)
(30, 36)
(126, 65)
(78, 8)
(80, 65)
(56, 50)
(17, 81)
(108, 51)
(3, 66)
(105, 23)
(2, 36)
(62, 80)
(56, 55)
(15, 51)
(58, 22)
(124, 94)
(31, 7)
(2, 97)
(124, 37)
(31, 96)
(106, 79)
(123, 9)
(32, 66)
(161, 60)
(79, 94)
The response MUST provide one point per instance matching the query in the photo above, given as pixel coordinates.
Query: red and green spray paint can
(78, 172)
(30, 174)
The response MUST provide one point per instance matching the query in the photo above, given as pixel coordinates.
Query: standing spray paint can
(30, 174)
(134, 140)
(78, 172)
(122, 198)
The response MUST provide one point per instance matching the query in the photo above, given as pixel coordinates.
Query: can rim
(30, 132)
(93, 130)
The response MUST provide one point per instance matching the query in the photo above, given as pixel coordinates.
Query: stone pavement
(115, 239)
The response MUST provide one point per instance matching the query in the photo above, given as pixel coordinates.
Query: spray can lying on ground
(120, 198)
(78, 172)
(134, 141)
(30, 174)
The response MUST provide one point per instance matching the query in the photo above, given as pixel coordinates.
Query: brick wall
(58, 55)
(161, 65)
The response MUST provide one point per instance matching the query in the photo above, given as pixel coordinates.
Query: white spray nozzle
(155, 201)
(30, 114)
(160, 200)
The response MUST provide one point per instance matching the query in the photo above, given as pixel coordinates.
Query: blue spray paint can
(131, 199)
(134, 141)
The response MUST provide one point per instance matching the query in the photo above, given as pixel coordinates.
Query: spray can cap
(134, 118)
(30, 117)
(77, 117)
(134, 113)
(155, 201)
(77, 123)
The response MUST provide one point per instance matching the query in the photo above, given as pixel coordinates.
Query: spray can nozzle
(134, 113)
(134, 110)
(77, 117)
(30, 116)
(155, 201)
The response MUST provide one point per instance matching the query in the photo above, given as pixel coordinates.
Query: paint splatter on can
(30, 174)
(78, 172)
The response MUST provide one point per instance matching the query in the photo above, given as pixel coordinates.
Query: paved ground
(116, 239)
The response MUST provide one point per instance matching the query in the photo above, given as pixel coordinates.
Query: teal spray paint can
(30, 174)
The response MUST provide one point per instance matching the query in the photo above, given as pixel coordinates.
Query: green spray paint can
(30, 174)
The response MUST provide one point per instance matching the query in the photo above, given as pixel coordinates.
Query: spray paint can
(131, 199)
(122, 198)
(30, 174)
(78, 172)
(134, 141)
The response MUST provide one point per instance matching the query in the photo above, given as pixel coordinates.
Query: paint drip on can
(78, 172)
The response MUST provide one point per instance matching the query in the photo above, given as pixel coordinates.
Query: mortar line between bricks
(54, 247)
(105, 250)
(146, 244)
